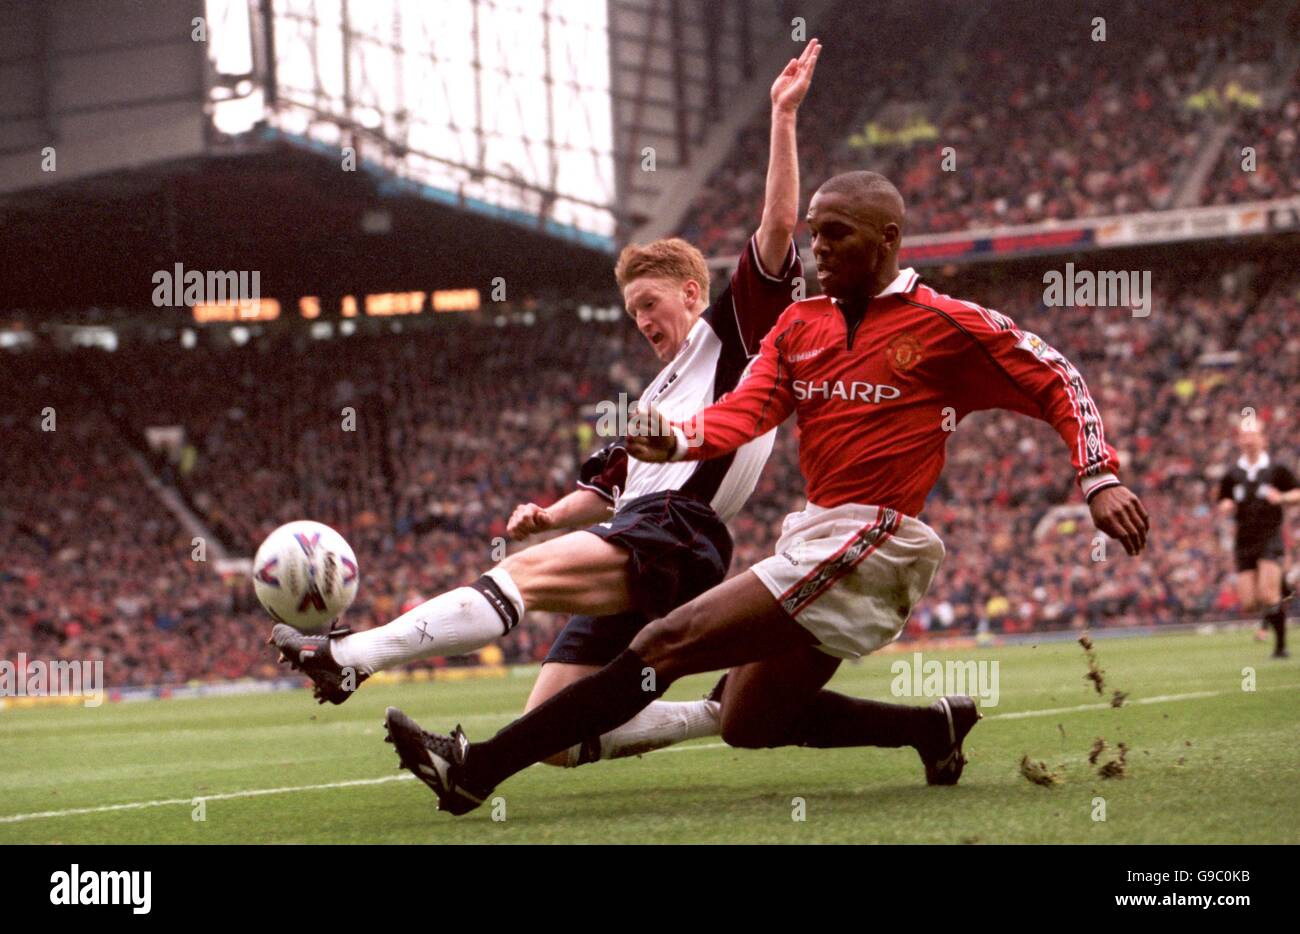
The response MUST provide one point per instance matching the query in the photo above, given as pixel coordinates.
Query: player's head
(856, 222)
(1251, 439)
(665, 288)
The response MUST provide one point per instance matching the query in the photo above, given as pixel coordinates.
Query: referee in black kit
(1256, 489)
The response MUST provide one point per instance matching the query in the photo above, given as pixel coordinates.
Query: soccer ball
(305, 574)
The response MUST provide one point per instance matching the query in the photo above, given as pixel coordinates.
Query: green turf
(1220, 768)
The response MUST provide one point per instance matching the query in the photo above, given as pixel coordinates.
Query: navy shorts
(677, 549)
(596, 640)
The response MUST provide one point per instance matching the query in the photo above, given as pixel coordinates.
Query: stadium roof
(289, 213)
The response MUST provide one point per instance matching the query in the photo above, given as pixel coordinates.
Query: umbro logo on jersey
(857, 391)
(806, 355)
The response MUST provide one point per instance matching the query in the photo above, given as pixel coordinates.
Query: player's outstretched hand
(650, 436)
(528, 519)
(792, 84)
(1120, 514)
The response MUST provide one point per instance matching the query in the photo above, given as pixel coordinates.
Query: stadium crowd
(417, 446)
(999, 127)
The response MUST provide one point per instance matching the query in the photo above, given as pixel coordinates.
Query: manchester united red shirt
(877, 401)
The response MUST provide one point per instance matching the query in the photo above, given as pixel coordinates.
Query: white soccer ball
(305, 574)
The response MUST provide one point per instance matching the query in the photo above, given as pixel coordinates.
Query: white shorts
(851, 574)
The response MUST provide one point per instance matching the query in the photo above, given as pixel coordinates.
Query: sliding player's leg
(661, 724)
(586, 645)
(763, 703)
(850, 575)
(734, 623)
(783, 702)
(577, 573)
(551, 680)
(678, 548)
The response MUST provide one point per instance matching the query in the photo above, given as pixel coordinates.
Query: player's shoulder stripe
(947, 314)
(960, 306)
(927, 294)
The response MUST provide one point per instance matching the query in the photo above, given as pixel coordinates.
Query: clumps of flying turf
(1038, 772)
(1113, 768)
(1116, 767)
(1098, 747)
(1096, 674)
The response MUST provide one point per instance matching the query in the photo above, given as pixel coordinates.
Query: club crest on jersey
(904, 352)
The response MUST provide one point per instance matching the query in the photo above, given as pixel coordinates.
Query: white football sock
(661, 724)
(454, 623)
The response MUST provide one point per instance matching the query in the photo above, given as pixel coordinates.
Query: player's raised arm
(781, 199)
(768, 272)
(1024, 373)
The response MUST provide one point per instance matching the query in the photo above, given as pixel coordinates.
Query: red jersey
(877, 402)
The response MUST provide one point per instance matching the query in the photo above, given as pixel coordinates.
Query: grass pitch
(1207, 762)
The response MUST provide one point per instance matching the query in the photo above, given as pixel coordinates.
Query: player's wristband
(1096, 483)
(679, 445)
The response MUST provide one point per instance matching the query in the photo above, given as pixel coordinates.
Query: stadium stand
(1039, 131)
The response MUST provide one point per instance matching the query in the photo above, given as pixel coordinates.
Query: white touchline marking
(689, 748)
(225, 796)
(258, 792)
(1158, 699)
